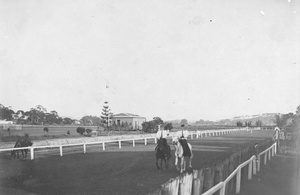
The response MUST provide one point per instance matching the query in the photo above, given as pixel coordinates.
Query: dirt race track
(130, 170)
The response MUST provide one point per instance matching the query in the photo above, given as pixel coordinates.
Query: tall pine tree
(106, 115)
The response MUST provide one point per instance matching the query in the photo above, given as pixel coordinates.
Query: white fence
(198, 181)
(198, 134)
(272, 150)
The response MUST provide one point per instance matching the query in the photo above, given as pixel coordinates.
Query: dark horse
(22, 142)
(162, 152)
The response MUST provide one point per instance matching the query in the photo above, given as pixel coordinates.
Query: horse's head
(161, 142)
(175, 140)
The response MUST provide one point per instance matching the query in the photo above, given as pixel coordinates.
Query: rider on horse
(183, 134)
(162, 135)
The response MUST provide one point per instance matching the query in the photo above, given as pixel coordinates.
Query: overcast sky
(194, 59)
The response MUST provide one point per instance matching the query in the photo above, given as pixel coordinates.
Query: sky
(193, 59)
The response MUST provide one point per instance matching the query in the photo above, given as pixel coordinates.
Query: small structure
(133, 121)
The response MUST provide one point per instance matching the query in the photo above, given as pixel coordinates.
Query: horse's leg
(25, 151)
(17, 151)
(181, 164)
(13, 154)
(191, 157)
(165, 161)
(161, 163)
(176, 162)
(22, 151)
(157, 163)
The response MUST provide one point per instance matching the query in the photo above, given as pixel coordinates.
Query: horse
(183, 151)
(162, 152)
(20, 144)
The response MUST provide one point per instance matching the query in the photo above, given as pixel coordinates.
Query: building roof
(127, 115)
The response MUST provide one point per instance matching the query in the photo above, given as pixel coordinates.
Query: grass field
(113, 171)
(281, 176)
(36, 132)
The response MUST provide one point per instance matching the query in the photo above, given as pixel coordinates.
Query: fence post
(155, 140)
(250, 170)
(275, 148)
(201, 178)
(254, 165)
(103, 145)
(269, 154)
(265, 159)
(238, 181)
(186, 182)
(196, 183)
(258, 163)
(31, 153)
(60, 150)
(223, 189)
(84, 148)
(133, 143)
(120, 144)
(145, 141)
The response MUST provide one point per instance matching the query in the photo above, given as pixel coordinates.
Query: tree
(41, 112)
(106, 115)
(51, 118)
(91, 120)
(184, 122)
(88, 131)
(248, 123)
(20, 116)
(298, 111)
(6, 113)
(157, 120)
(258, 123)
(86, 121)
(80, 130)
(282, 119)
(68, 121)
(148, 126)
(46, 130)
(168, 126)
(37, 115)
(239, 124)
(296, 120)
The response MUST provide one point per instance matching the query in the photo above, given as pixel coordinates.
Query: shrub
(46, 129)
(88, 131)
(80, 130)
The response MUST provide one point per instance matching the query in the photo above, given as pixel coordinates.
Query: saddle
(186, 149)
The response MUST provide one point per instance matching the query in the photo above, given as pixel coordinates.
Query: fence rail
(237, 172)
(197, 134)
(201, 180)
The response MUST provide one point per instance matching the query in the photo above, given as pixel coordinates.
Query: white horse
(179, 155)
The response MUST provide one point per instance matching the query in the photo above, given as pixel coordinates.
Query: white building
(134, 121)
